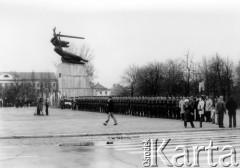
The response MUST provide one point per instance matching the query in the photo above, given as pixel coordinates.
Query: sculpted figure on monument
(67, 57)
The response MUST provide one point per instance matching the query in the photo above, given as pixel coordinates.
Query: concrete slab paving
(21, 122)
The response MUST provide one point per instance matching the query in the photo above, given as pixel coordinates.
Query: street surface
(69, 138)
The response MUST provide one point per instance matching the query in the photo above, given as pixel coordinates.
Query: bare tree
(236, 87)
(150, 79)
(85, 52)
(173, 77)
(129, 78)
(237, 74)
(188, 69)
(119, 90)
(228, 75)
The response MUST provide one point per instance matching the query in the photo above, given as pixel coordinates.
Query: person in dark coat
(187, 114)
(221, 108)
(110, 109)
(231, 106)
(39, 106)
(46, 105)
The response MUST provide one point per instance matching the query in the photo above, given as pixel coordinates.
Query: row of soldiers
(158, 107)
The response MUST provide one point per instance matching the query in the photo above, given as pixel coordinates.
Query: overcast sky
(121, 33)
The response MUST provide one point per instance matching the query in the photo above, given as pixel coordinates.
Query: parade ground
(21, 122)
(68, 138)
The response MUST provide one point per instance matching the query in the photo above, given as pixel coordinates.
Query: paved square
(22, 122)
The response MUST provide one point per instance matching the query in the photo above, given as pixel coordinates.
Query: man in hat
(110, 109)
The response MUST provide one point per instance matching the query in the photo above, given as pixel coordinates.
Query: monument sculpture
(73, 79)
(67, 57)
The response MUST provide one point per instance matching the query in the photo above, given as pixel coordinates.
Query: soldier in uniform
(164, 107)
(151, 107)
(174, 110)
(139, 106)
(133, 103)
(142, 106)
(178, 109)
(170, 108)
(145, 109)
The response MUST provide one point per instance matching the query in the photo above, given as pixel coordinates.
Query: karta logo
(152, 152)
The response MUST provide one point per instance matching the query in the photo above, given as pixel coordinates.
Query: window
(100, 92)
(46, 85)
(38, 84)
(106, 92)
(54, 84)
(6, 76)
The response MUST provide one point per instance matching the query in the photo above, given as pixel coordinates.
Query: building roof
(32, 75)
(98, 86)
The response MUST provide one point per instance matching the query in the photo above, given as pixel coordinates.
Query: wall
(73, 80)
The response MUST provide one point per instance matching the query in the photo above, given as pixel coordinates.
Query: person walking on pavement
(201, 105)
(110, 109)
(221, 108)
(46, 105)
(188, 114)
(231, 106)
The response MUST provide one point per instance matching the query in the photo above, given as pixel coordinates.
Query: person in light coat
(181, 103)
(208, 109)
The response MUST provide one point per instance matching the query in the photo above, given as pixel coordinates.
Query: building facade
(100, 90)
(28, 84)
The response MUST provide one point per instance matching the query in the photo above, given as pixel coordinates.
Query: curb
(112, 134)
(78, 144)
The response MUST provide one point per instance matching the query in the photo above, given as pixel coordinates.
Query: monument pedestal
(73, 80)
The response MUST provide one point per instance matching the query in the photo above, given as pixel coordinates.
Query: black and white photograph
(119, 83)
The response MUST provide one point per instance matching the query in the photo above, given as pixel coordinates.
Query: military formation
(157, 107)
(188, 109)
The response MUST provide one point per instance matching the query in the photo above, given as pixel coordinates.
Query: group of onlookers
(209, 110)
(40, 104)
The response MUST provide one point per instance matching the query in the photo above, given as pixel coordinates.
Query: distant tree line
(181, 77)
